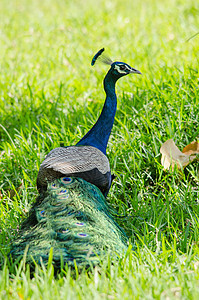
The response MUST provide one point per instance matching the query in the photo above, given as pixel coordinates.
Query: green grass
(50, 96)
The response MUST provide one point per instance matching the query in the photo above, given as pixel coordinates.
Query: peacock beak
(135, 71)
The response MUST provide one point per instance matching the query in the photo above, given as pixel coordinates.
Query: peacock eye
(82, 234)
(63, 191)
(66, 180)
(122, 67)
(53, 185)
(79, 224)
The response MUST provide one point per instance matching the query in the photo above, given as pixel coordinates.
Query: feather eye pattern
(101, 57)
(76, 222)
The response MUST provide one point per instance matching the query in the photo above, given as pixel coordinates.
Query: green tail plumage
(73, 218)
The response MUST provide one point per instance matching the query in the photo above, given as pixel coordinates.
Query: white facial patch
(117, 67)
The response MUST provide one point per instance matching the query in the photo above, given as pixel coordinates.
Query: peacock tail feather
(73, 218)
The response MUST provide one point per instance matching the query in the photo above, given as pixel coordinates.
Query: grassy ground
(50, 96)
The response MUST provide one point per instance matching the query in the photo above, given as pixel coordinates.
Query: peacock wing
(85, 162)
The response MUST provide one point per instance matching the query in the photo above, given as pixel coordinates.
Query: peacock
(71, 215)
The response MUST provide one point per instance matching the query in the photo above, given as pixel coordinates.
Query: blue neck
(99, 134)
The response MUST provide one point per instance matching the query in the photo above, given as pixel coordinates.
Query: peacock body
(73, 218)
(71, 215)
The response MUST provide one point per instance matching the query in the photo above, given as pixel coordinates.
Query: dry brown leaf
(192, 148)
(172, 156)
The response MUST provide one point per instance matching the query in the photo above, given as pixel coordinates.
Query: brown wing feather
(86, 162)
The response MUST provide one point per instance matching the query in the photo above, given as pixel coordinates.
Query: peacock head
(118, 69)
